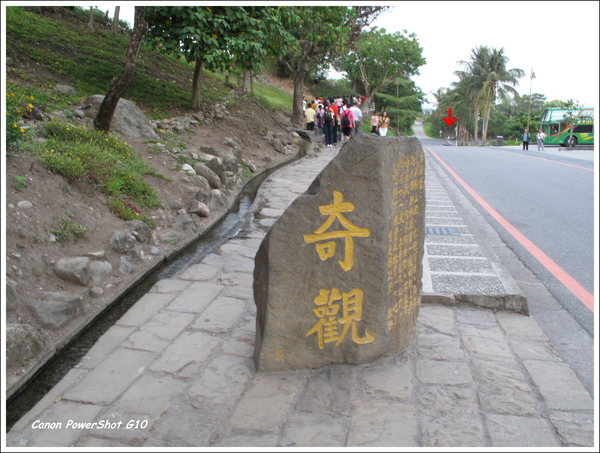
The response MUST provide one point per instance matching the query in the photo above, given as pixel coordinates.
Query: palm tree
(485, 79)
(472, 80)
(499, 82)
(460, 98)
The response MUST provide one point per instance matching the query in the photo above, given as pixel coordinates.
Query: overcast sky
(558, 40)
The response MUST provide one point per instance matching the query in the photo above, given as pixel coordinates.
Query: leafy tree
(253, 37)
(402, 100)
(486, 78)
(320, 34)
(499, 82)
(514, 107)
(214, 37)
(317, 34)
(459, 99)
(498, 123)
(333, 88)
(197, 32)
(515, 126)
(557, 103)
(471, 82)
(378, 59)
(107, 109)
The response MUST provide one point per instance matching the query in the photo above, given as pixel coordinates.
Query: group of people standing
(541, 136)
(380, 123)
(340, 118)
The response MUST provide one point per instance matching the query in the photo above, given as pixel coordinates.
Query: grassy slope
(65, 51)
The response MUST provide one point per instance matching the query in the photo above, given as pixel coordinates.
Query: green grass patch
(18, 104)
(127, 210)
(246, 173)
(20, 101)
(68, 228)
(90, 60)
(272, 97)
(21, 183)
(100, 159)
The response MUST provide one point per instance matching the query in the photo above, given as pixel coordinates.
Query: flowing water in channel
(229, 226)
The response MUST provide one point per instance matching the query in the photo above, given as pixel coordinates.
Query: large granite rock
(128, 120)
(23, 342)
(338, 277)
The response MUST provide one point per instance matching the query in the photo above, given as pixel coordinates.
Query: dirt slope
(31, 253)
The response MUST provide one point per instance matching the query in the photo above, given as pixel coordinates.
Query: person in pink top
(347, 121)
(375, 123)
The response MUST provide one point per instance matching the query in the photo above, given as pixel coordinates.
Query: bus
(556, 123)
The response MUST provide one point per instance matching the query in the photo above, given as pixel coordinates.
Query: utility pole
(529, 106)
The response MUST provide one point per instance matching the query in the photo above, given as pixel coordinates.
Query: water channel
(225, 228)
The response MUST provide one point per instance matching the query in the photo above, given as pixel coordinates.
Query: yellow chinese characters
(333, 325)
(327, 249)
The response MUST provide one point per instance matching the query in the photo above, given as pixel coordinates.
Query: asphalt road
(542, 207)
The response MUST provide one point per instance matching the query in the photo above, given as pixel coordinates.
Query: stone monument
(338, 277)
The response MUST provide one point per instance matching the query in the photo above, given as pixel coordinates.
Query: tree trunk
(195, 101)
(476, 118)
(297, 113)
(115, 28)
(251, 82)
(571, 135)
(90, 23)
(487, 120)
(109, 104)
(245, 80)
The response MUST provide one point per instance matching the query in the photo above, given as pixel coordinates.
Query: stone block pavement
(177, 369)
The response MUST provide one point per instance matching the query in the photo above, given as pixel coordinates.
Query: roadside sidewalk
(177, 369)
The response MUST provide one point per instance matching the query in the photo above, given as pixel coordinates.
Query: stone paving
(177, 369)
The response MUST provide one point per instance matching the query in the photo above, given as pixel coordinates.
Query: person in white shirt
(357, 117)
(540, 140)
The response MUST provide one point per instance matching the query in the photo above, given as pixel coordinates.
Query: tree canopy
(304, 39)
(379, 58)
(318, 34)
(484, 80)
(216, 38)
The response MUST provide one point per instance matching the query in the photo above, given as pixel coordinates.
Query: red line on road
(570, 283)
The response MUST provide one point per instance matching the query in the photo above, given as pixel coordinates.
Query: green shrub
(332, 88)
(18, 104)
(128, 211)
(100, 159)
(67, 228)
(21, 183)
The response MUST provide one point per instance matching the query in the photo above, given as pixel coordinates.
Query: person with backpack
(336, 119)
(328, 121)
(320, 116)
(347, 121)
